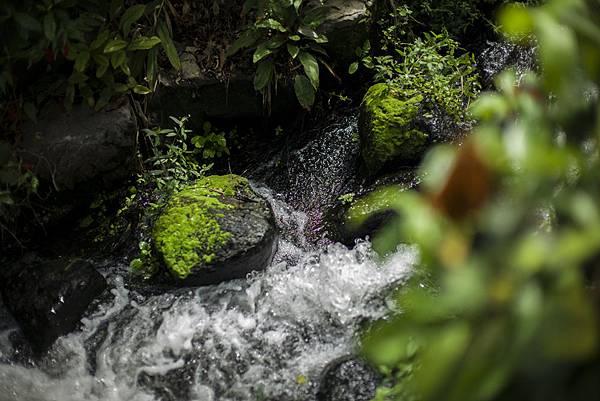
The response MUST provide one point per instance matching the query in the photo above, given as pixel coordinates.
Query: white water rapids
(265, 338)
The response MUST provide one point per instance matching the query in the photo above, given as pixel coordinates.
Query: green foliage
(347, 199)
(507, 225)
(175, 155)
(110, 49)
(285, 42)
(431, 66)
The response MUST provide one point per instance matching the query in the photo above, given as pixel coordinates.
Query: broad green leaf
(353, 68)
(305, 92)
(130, 16)
(311, 67)
(276, 42)
(315, 17)
(27, 21)
(100, 39)
(293, 50)
(308, 32)
(295, 38)
(141, 90)
(151, 67)
(168, 45)
(117, 59)
(144, 43)
(49, 26)
(261, 52)
(264, 74)
(270, 23)
(81, 61)
(115, 45)
(103, 63)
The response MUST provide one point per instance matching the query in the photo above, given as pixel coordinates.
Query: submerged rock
(48, 298)
(81, 146)
(215, 230)
(388, 128)
(348, 379)
(502, 55)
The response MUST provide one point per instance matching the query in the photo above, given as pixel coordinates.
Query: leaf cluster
(286, 42)
(109, 48)
(508, 228)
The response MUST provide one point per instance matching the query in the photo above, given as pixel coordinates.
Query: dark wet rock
(347, 28)
(348, 379)
(48, 297)
(215, 230)
(501, 55)
(192, 92)
(315, 173)
(81, 146)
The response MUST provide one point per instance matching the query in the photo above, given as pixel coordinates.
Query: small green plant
(145, 264)
(347, 199)
(430, 66)
(210, 143)
(173, 162)
(285, 42)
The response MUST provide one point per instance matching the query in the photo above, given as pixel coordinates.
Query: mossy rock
(389, 128)
(215, 230)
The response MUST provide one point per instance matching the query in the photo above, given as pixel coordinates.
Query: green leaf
(270, 23)
(168, 45)
(151, 66)
(27, 21)
(295, 38)
(115, 45)
(49, 26)
(308, 32)
(311, 68)
(115, 6)
(293, 50)
(117, 59)
(315, 17)
(264, 74)
(141, 90)
(305, 92)
(130, 16)
(100, 39)
(261, 52)
(81, 61)
(353, 68)
(103, 63)
(144, 43)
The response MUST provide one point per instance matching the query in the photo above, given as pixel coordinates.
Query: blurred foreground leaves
(508, 226)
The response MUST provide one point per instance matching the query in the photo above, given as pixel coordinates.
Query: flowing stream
(268, 337)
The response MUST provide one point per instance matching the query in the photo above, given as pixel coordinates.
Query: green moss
(388, 129)
(188, 234)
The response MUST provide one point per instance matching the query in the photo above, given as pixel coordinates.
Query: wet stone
(348, 379)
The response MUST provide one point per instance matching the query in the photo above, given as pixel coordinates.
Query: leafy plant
(173, 162)
(211, 143)
(508, 227)
(111, 49)
(285, 42)
(431, 66)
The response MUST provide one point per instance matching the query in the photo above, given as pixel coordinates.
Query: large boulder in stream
(49, 297)
(215, 230)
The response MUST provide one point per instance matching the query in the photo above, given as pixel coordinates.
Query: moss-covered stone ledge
(214, 230)
(388, 128)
